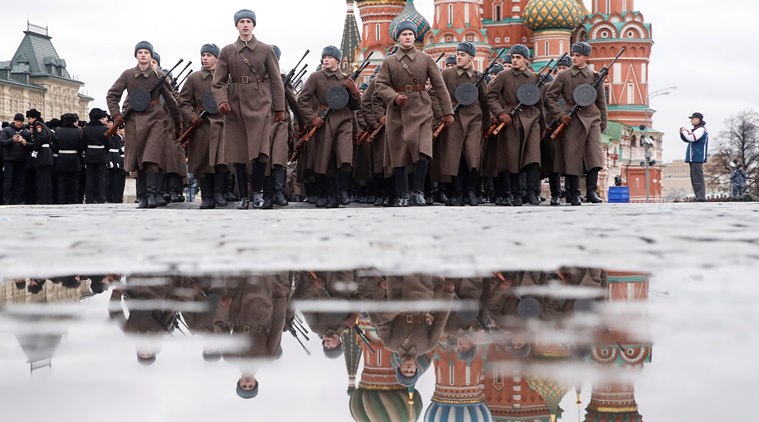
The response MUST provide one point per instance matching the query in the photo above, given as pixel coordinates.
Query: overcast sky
(699, 47)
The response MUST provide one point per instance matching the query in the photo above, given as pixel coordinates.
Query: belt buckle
(245, 80)
(409, 319)
(246, 329)
(409, 88)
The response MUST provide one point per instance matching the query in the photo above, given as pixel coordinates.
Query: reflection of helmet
(407, 381)
(146, 361)
(247, 394)
(334, 353)
(211, 357)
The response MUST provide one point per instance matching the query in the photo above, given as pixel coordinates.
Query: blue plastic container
(619, 194)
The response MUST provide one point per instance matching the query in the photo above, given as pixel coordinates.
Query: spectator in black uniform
(42, 138)
(69, 146)
(114, 191)
(96, 156)
(16, 143)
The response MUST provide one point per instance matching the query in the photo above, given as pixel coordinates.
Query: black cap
(698, 115)
(18, 117)
(33, 113)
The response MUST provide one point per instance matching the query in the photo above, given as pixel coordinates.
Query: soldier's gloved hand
(117, 118)
(505, 118)
(565, 119)
(448, 119)
(495, 121)
(196, 121)
(317, 122)
(279, 116)
(401, 100)
(382, 120)
(603, 128)
(351, 87)
(224, 108)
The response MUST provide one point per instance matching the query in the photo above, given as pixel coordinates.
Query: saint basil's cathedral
(548, 28)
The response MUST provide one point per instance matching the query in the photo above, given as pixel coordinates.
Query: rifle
(292, 71)
(184, 79)
(295, 334)
(599, 80)
(311, 130)
(153, 89)
(174, 83)
(363, 337)
(542, 79)
(184, 138)
(300, 75)
(458, 107)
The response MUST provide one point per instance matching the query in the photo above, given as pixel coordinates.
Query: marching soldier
(518, 145)
(461, 147)
(145, 128)
(205, 156)
(69, 146)
(247, 86)
(548, 147)
(373, 110)
(96, 156)
(579, 151)
(330, 154)
(42, 138)
(282, 133)
(401, 83)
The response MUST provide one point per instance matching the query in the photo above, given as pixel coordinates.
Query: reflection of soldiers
(469, 289)
(254, 308)
(200, 319)
(411, 334)
(143, 320)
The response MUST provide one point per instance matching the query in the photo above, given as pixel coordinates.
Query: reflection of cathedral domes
(410, 13)
(552, 14)
(600, 416)
(441, 412)
(551, 391)
(385, 405)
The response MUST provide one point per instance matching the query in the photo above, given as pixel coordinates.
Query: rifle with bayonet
(596, 84)
(175, 80)
(293, 71)
(542, 80)
(120, 121)
(310, 130)
(458, 107)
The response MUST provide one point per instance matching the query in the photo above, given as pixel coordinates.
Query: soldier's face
(331, 342)
(507, 66)
(209, 61)
(245, 26)
(463, 59)
(329, 63)
(561, 68)
(406, 38)
(143, 56)
(247, 383)
(408, 367)
(518, 61)
(447, 65)
(578, 60)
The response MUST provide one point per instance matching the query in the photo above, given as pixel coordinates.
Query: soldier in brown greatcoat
(548, 146)
(254, 309)
(579, 150)
(144, 150)
(205, 155)
(281, 134)
(518, 144)
(461, 143)
(247, 86)
(401, 82)
(330, 154)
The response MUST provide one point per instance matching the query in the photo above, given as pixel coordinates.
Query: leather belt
(68, 151)
(247, 80)
(96, 146)
(114, 150)
(412, 318)
(410, 88)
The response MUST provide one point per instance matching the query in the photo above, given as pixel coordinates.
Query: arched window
(497, 14)
(450, 14)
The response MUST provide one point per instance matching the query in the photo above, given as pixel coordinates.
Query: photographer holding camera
(16, 142)
(698, 146)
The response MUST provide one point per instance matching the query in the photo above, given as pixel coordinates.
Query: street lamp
(646, 141)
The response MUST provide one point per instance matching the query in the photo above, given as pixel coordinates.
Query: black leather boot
(554, 181)
(474, 183)
(142, 196)
(516, 196)
(241, 175)
(591, 187)
(401, 187)
(280, 181)
(573, 190)
(162, 196)
(420, 173)
(533, 185)
(206, 192)
(151, 189)
(219, 186)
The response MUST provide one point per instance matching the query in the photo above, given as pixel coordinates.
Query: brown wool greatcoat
(579, 149)
(409, 129)
(258, 313)
(518, 144)
(146, 130)
(252, 95)
(282, 132)
(332, 146)
(380, 158)
(174, 160)
(204, 149)
(465, 135)
(408, 333)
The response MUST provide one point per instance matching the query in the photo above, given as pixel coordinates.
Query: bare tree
(739, 141)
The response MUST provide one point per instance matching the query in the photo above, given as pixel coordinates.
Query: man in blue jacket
(698, 147)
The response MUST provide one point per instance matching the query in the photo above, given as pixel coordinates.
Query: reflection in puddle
(513, 346)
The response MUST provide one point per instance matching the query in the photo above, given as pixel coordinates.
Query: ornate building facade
(36, 77)
(548, 28)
